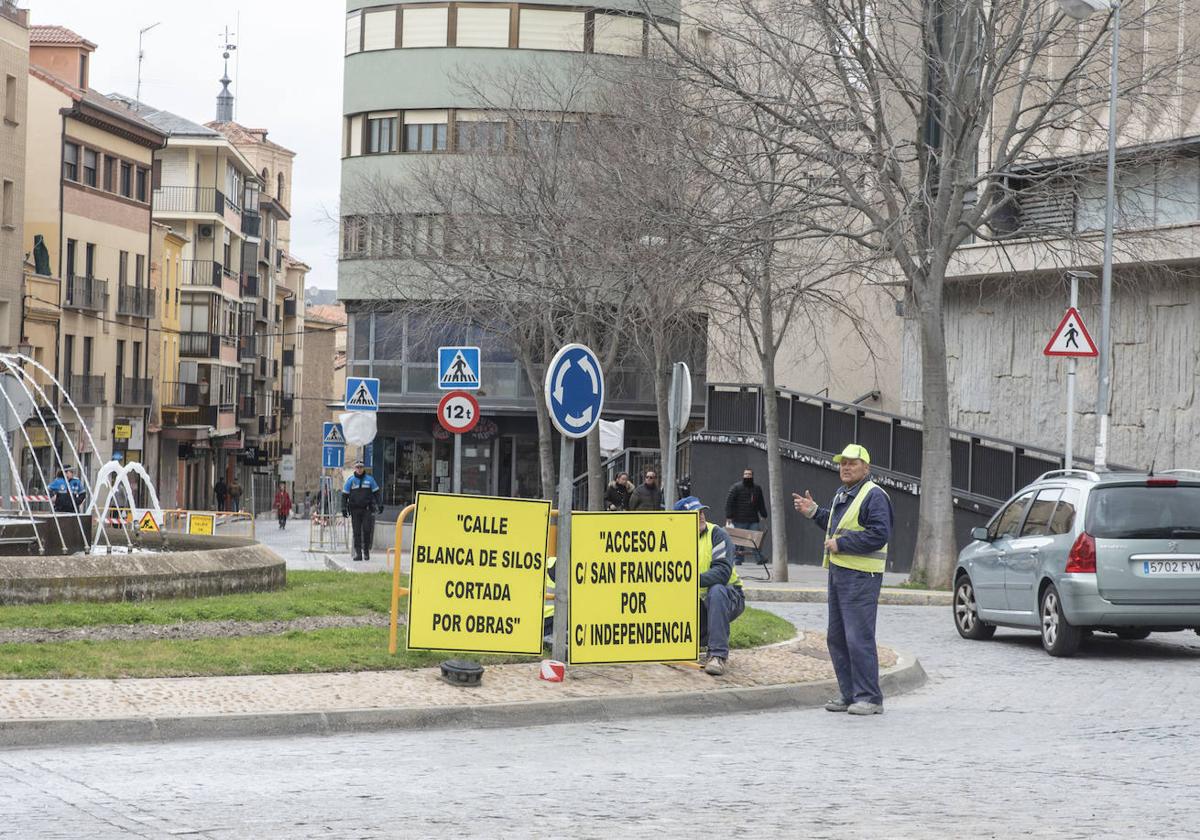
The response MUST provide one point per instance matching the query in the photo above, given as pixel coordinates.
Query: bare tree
(920, 112)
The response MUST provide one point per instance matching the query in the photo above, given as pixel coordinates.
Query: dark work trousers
(853, 607)
(363, 522)
(718, 609)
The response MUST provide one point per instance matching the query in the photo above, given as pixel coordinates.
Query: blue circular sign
(574, 390)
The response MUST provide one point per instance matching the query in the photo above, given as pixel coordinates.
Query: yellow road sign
(201, 523)
(147, 524)
(635, 587)
(122, 431)
(478, 574)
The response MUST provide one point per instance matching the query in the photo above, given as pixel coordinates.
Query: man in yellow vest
(858, 526)
(721, 598)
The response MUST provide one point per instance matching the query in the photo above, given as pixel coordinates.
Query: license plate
(1170, 567)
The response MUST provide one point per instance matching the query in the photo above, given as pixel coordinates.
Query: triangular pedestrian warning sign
(335, 433)
(460, 372)
(1071, 338)
(362, 397)
(147, 523)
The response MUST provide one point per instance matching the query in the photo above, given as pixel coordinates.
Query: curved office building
(416, 83)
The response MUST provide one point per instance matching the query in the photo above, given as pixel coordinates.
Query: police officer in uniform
(67, 492)
(360, 500)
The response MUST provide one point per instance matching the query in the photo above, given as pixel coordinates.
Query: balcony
(86, 293)
(247, 407)
(251, 223)
(135, 301)
(288, 406)
(249, 285)
(289, 308)
(202, 345)
(134, 391)
(268, 425)
(181, 395)
(86, 390)
(289, 358)
(169, 200)
(201, 273)
(247, 347)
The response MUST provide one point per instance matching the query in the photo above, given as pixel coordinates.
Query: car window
(1037, 523)
(1062, 521)
(1009, 520)
(1145, 512)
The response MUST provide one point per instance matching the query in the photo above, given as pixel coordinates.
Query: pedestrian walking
(858, 527)
(282, 505)
(647, 495)
(721, 597)
(360, 500)
(235, 495)
(221, 491)
(616, 496)
(745, 506)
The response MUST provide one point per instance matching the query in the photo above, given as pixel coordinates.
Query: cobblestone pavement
(1002, 742)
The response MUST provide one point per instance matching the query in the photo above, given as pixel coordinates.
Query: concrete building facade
(14, 76)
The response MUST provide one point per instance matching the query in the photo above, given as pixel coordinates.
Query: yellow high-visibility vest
(706, 547)
(874, 562)
(548, 598)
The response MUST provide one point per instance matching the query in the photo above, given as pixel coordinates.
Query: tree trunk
(595, 478)
(934, 557)
(662, 393)
(775, 492)
(545, 433)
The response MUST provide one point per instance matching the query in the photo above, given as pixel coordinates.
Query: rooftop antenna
(137, 97)
(225, 97)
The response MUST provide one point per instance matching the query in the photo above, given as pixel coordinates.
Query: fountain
(84, 553)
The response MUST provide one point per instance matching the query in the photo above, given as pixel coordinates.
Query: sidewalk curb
(812, 595)
(906, 675)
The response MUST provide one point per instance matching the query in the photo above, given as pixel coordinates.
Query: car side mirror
(980, 534)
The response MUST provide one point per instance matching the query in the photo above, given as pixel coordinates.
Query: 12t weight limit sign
(458, 412)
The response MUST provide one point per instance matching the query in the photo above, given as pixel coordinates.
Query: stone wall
(1002, 384)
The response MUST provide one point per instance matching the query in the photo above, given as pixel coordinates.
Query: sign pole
(562, 566)
(456, 475)
(1071, 367)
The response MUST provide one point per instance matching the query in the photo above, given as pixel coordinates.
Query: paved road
(1002, 742)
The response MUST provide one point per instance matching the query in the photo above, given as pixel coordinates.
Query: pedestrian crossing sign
(334, 436)
(1071, 338)
(362, 394)
(458, 369)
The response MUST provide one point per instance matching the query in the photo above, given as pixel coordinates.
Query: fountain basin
(61, 533)
(181, 566)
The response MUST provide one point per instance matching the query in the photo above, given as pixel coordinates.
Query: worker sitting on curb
(721, 598)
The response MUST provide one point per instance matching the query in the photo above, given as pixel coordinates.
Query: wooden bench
(751, 541)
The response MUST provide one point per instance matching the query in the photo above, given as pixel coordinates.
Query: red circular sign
(458, 412)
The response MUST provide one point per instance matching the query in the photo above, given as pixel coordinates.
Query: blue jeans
(853, 607)
(718, 609)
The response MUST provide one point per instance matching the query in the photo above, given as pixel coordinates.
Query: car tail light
(1162, 482)
(1083, 555)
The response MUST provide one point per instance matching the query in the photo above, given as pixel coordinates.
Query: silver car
(1078, 551)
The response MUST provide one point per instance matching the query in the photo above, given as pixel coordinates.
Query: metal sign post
(458, 412)
(1072, 365)
(679, 409)
(1071, 339)
(574, 394)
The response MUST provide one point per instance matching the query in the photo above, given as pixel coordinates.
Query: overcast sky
(289, 81)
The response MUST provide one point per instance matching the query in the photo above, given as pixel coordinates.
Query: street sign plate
(333, 457)
(362, 393)
(458, 412)
(574, 390)
(1071, 338)
(458, 368)
(332, 435)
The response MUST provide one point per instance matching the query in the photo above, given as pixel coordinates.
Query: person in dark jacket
(67, 492)
(221, 491)
(616, 497)
(721, 597)
(745, 505)
(360, 500)
(647, 495)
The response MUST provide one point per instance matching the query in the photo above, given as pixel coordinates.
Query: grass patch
(308, 593)
(337, 649)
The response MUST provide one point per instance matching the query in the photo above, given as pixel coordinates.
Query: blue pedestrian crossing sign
(362, 393)
(332, 435)
(458, 368)
(333, 457)
(574, 390)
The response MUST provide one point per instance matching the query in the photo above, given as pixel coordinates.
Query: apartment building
(404, 96)
(88, 220)
(14, 75)
(170, 404)
(323, 385)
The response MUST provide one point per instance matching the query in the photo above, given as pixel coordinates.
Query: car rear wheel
(966, 613)
(1133, 634)
(1059, 638)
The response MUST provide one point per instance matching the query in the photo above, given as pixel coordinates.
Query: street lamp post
(1080, 9)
